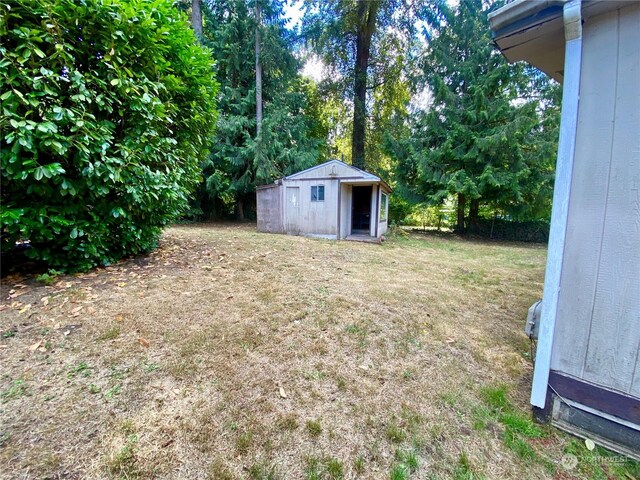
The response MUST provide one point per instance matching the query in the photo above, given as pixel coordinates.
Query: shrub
(108, 106)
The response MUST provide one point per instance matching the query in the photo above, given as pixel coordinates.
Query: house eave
(533, 31)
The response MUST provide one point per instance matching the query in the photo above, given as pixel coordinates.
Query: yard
(228, 353)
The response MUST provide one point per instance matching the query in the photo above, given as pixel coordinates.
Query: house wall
(269, 209)
(315, 218)
(597, 335)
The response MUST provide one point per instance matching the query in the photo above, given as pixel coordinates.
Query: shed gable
(333, 169)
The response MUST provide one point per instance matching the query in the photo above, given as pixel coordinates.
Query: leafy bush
(108, 106)
(536, 231)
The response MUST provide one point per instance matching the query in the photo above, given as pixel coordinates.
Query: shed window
(317, 193)
(383, 207)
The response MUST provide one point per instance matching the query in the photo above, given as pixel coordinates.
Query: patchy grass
(229, 354)
(314, 428)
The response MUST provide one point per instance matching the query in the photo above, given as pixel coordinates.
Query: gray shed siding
(269, 209)
(313, 218)
(597, 335)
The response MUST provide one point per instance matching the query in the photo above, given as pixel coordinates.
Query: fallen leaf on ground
(35, 346)
(144, 342)
(119, 317)
(450, 340)
(283, 393)
(590, 444)
(45, 301)
(25, 308)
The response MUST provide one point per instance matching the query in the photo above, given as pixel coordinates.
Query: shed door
(292, 220)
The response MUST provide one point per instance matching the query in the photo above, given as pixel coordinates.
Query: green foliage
(464, 470)
(124, 463)
(407, 463)
(518, 428)
(495, 397)
(16, 390)
(433, 216)
(489, 136)
(327, 468)
(292, 132)
(331, 30)
(314, 428)
(108, 106)
(49, 277)
(600, 463)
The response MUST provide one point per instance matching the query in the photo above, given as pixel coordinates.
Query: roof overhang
(533, 31)
(365, 181)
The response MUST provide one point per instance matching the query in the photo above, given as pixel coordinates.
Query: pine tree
(477, 142)
(289, 138)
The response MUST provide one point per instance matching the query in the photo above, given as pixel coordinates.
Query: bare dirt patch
(232, 354)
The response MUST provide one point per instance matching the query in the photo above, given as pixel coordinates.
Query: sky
(313, 66)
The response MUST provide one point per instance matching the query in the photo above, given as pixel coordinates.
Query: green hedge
(533, 231)
(107, 108)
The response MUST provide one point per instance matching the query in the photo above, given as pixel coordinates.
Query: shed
(331, 200)
(587, 370)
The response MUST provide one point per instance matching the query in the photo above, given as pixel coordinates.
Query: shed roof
(355, 171)
(339, 170)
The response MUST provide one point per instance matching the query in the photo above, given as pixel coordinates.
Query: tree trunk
(474, 208)
(258, 72)
(240, 209)
(196, 18)
(461, 206)
(367, 13)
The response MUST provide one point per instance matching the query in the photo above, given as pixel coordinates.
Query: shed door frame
(292, 210)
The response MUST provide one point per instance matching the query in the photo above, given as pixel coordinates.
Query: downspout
(572, 16)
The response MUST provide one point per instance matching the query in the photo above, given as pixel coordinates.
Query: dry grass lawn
(231, 354)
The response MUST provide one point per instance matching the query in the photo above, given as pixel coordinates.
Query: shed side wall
(597, 335)
(269, 210)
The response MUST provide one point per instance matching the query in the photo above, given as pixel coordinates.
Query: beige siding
(345, 210)
(313, 218)
(331, 169)
(373, 218)
(597, 333)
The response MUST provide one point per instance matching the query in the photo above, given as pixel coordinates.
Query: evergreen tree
(367, 45)
(291, 137)
(481, 139)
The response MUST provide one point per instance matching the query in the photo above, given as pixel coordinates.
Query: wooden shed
(331, 200)
(587, 370)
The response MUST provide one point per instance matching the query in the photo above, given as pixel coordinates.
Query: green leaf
(114, 81)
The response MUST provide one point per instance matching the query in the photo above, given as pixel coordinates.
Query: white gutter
(517, 10)
(572, 15)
